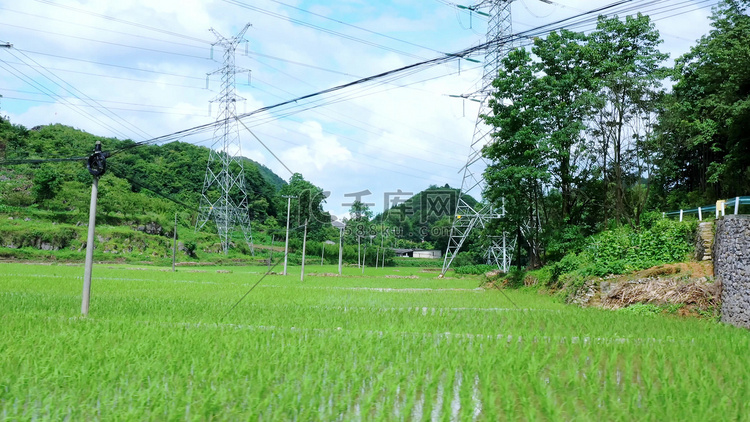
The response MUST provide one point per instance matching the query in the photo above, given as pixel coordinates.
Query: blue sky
(146, 61)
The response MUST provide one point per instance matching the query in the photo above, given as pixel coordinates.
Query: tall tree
(306, 206)
(539, 109)
(706, 127)
(628, 67)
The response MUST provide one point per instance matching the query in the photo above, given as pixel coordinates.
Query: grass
(160, 345)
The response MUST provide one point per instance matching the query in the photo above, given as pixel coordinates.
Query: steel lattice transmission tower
(224, 196)
(469, 217)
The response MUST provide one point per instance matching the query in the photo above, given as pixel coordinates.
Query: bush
(642, 309)
(190, 247)
(624, 249)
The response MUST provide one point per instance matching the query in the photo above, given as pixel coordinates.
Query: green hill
(44, 205)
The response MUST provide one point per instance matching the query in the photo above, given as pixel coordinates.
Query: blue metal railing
(720, 208)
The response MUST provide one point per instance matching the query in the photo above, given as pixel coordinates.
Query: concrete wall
(428, 254)
(731, 253)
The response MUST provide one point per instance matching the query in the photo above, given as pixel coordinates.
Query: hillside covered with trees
(589, 137)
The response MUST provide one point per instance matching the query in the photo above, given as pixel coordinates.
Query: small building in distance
(432, 253)
(417, 253)
(404, 253)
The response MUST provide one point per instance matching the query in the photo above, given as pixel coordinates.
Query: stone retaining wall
(704, 241)
(731, 253)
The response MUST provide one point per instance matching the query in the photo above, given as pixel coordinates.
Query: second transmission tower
(224, 196)
(469, 218)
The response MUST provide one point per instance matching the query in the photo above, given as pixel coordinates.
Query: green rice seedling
(157, 345)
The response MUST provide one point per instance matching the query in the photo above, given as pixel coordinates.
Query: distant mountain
(138, 179)
(268, 174)
(427, 216)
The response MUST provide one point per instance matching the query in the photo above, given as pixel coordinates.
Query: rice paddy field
(395, 344)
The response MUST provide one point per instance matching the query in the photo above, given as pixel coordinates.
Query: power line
(53, 95)
(395, 73)
(78, 24)
(122, 78)
(356, 27)
(320, 28)
(134, 110)
(154, 50)
(126, 22)
(140, 185)
(84, 97)
(157, 72)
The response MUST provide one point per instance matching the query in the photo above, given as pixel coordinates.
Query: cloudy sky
(137, 69)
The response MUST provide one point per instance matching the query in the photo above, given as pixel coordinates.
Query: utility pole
(341, 226)
(174, 242)
(224, 195)
(304, 244)
(97, 165)
(468, 218)
(286, 244)
(270, 252)
(364, 256)
(382, 238)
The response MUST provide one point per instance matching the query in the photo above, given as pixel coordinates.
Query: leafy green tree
(358, 226)
(540, 107)
(705, 143)
(627, 65)
(47, 182)
(306, 206)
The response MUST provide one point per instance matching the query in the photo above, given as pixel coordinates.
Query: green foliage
(515, 277)
(418, 263)
(624, 249)
(567, 110)
(703, 130)
(47, 181)
(190, 248)
(425, 217)
(642, 309)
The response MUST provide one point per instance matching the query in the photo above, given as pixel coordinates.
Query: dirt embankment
(689, 284)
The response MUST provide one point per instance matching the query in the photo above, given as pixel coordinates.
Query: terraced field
(159, 345)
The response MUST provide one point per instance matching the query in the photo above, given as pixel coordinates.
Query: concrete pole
(89, 249)
(322, 252)
(359, 252)
(736, 205)
(341, 247)
(174, 242)
(382, 238)
(304, 244)
(286, 245)
(505, 258)
(270, 252)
